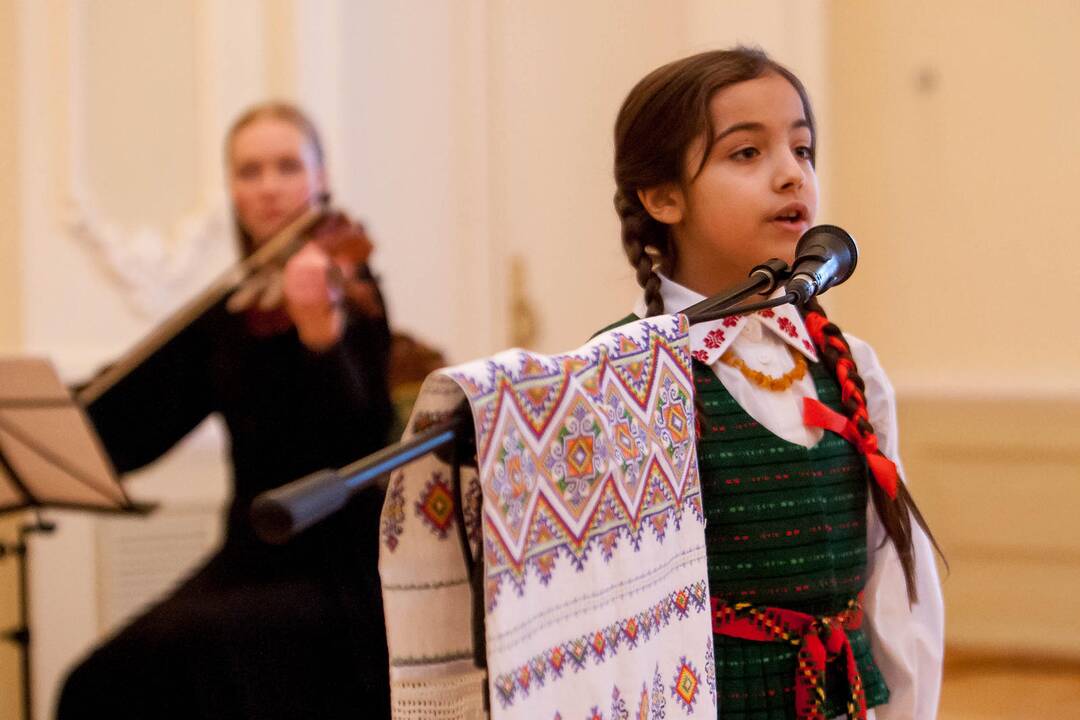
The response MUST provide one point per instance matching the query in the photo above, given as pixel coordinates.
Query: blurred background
(473, 137)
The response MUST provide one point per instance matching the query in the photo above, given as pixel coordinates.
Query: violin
(253, 286)
(345, 244)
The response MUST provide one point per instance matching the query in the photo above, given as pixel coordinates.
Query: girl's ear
(664, 202)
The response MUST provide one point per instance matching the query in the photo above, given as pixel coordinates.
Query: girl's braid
(640, 231)
(895, 514)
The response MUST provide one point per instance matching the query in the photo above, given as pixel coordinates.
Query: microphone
(824, 256)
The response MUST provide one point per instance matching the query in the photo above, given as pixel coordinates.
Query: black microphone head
(822, 241)
(824, 256)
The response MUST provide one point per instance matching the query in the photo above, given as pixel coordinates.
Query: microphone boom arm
(763, 279)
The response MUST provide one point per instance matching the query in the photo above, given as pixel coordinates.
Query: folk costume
(592, 521)
(802, 577)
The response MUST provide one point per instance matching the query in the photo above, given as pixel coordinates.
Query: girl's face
(274, 172)
(757, 192)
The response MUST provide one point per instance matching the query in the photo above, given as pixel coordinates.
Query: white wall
(955, 164)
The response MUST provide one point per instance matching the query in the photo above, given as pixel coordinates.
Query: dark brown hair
(661, 117)
(895, 513)
(659, 120)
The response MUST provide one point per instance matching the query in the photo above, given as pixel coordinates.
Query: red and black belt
(820, 639)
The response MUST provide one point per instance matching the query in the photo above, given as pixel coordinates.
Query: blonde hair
(276, 110)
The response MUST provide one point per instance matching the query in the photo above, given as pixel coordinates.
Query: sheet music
(50, 452)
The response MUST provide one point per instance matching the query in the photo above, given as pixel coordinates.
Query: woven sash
(819, 639)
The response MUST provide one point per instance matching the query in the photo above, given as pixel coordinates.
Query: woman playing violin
(262, 631)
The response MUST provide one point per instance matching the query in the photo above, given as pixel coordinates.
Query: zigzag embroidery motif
(567, 463)
(578, 450)
(632, 363)
(550, 535)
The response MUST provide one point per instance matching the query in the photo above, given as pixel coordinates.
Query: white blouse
(907, 641)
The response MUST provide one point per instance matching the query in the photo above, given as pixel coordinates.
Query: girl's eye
(746, 153)
(804, 152)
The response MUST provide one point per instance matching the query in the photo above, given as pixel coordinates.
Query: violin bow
(282, 244)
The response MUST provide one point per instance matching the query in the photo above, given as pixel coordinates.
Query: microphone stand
(718, 313)
(280, 514)
(763, 280)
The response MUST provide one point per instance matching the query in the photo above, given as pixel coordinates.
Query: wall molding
(150, 266)
(995, 478)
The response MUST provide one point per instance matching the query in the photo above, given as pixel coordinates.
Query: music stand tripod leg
(20, 635)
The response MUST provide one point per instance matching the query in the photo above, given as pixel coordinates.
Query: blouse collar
(709, 340)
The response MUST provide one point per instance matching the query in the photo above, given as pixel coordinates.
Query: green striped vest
(785, 527)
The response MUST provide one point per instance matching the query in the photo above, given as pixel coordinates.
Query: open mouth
(793, 214)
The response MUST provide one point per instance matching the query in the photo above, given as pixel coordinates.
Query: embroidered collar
(709, 340)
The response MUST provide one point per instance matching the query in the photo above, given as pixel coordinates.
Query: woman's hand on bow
(313, 295)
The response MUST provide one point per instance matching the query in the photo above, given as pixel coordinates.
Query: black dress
(259, 631)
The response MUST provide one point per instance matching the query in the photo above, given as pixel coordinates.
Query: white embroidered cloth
(595, 583)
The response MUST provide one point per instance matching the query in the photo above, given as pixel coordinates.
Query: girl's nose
(789, 172)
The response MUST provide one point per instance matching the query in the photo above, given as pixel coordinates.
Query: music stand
(50, 456)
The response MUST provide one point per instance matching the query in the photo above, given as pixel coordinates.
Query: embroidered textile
(587, 508)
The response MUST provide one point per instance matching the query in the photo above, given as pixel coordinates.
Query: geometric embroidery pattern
(618, 706)
(658, 702)
(393, 515)
(685, 687)
(605, 643)
(710, 670)
(436, 505)
(579, 453)
(621, 711)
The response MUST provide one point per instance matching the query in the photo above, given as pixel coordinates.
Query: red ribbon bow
(816, 414)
